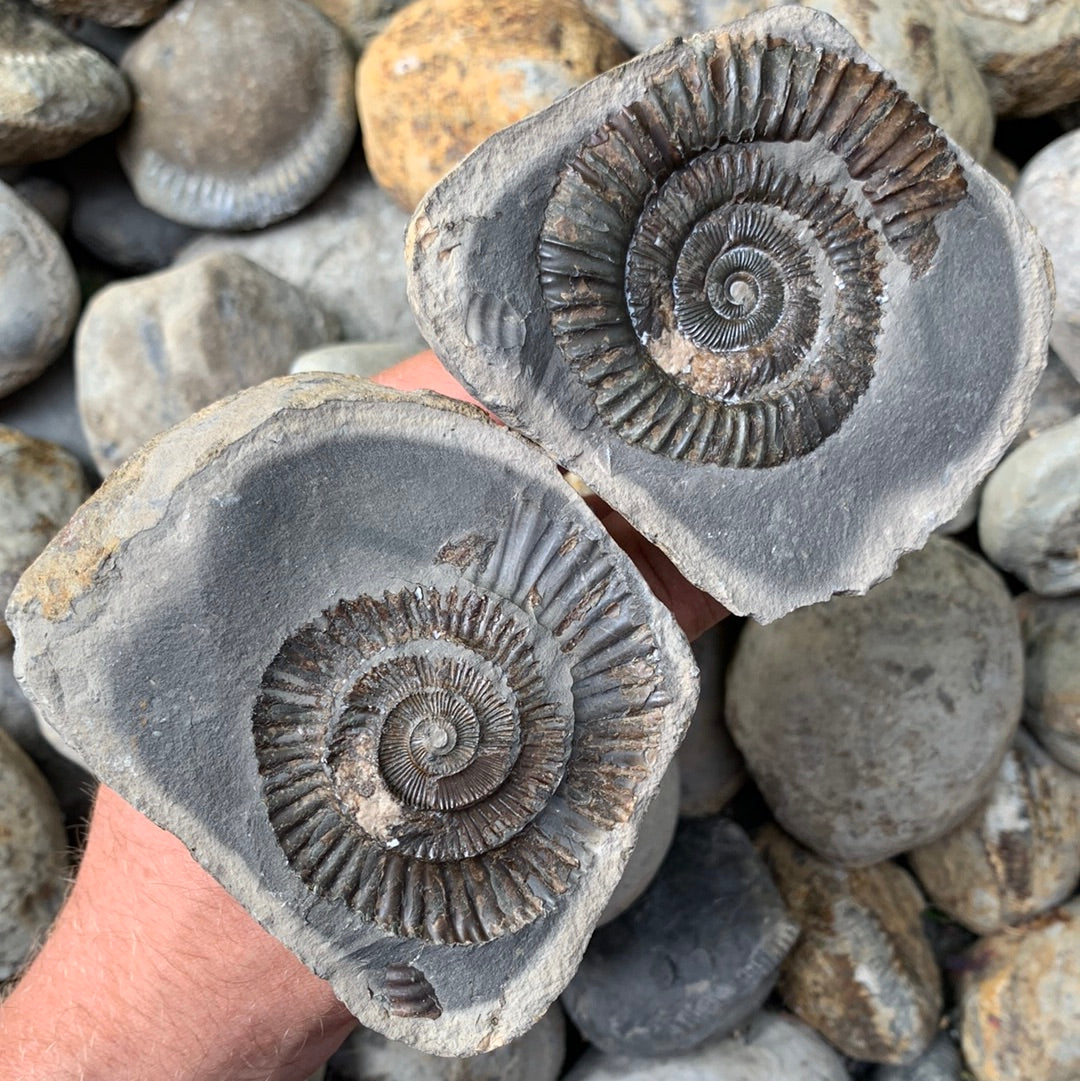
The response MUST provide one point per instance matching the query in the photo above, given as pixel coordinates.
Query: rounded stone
(1029, 518)
(16, 714)
(1015, 856)
(151, 351)
(941, 1062)
(359, 20)
(243, 114)
(445, 74)
(1051, 630)
(771, 1047)
(1048, 192)
(41, 486)
(1028, 51)
(862, 972)
(33, 865)
(1019, 997)
(694, 958)
(48, 197)
(55, 94)
(353, 358)
(40, 291)
(1056, 400)
(873, 724)
(108, 12)
(536, 1056)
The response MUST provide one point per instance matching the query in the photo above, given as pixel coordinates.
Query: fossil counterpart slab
(746, 289)
(380, 669)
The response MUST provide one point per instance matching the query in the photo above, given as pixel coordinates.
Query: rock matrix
(862, 972)
(694, 958)
(39, 291)
(151, 351)
(904, 737)
(243, 114)
(1018, 854)
(445, 74)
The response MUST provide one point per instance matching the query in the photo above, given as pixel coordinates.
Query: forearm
(152, 970)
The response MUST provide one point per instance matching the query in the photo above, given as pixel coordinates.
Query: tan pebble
(445, 74)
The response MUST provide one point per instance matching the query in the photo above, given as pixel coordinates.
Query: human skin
(153, 971)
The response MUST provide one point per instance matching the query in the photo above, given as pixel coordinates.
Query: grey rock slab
(1016, 855)
(782, 420)
(243, 115)
(694, 958)
(33, 863)
(535, 1056)
(873, 724)
(1029, 518)
(338, 609)
(772, 1047)
(345, 250)
(942, 1062)
(1051, 630)
(151, 351)
(39, 289)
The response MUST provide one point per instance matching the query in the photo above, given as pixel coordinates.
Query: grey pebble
(360, 20)
(1056, 400)
(694, 958)
(872, 724)
(941, 1062)
(48, 197)
(151, 351)
(353, 358)
(108, 12)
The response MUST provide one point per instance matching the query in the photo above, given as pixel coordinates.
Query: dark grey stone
(621, 331)
(694, 958)
(941, 1062)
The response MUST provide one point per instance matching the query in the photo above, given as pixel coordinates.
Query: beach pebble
(1048, 192)
(773, 1047)
(965, 517)
(39, 289)
(445, 74)
(914, 40)
(55, 94)
(48, 197)
(1029, 520)
(151, 351)
(1001, 168)
(941, 1062)
(1019, 999)
(17, 716)
(41, 486)
(862, 972)
(876, 723)
(1056, 400)
(1016, 855)
(695, 957)
(1027, 50)
(536, 1056)
(711, 769)
(353, 358)
(1051, 630)
(108, 12)
(33, 863)
(243, 113)
(346, 251)
(359, 20)
(653, 841)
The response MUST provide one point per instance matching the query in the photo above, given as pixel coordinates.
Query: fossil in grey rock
(720, 283)
(412, 721)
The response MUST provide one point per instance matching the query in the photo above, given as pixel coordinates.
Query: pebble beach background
(864, 863)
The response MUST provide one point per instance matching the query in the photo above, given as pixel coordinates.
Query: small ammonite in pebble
(55, 94)
(385, 674)
(243, 113)
(725, 283)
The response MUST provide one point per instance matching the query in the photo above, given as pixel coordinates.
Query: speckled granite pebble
(39, 289)
(694, 958)
(941, 1062)
(33, 864)
(872, 724)
(1051, 630)
(151, 351)
(1016, 855)
(1020, 1001)
(1029, 519)
(773, 1047)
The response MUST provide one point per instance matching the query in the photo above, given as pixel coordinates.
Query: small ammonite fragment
(735, 265)
(407, 700)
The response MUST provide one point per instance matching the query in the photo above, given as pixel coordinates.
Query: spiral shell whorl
(722, 305)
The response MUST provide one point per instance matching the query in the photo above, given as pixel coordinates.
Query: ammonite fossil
(407, 701)
(731, 284)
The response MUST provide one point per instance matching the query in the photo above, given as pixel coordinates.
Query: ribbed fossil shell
(385, 675)
(724, 271)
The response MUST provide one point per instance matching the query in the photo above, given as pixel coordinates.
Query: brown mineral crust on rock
(862, 972)
(445, 74)
(1019, 997)
(108, 12)
(1018, 854)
